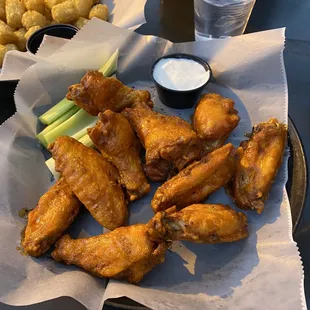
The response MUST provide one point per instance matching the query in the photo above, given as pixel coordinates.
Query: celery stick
(50, 163)
(111, 65)
(83, 131)
(65, 105)
(55, 124)
(86, 140)
(56, 111)
(72, 125)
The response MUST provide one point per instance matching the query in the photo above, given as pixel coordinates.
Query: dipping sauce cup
(58, 30)
(180, 79)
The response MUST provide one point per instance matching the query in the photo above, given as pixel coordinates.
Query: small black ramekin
(58, 30)
(180, 99)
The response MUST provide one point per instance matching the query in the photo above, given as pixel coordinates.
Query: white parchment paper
(123, 13)
(261, 272)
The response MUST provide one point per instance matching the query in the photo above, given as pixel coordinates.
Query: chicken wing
(125, 253)
(117, 142)
(96, 93)
(214, 119)
(197, 181)
(259, 164)
(55, 211)
(199, 223)
(169, 141)
(92, 179)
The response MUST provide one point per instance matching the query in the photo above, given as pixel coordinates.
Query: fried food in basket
(117, 142)
(2, 10)
(169, 141)
(14, 10)
(21, 40)
(35, 5)
(65, 12)
(83, 7)
(32, 19)
(214, 119)
(201, 223)
(100, 11)
(125, 253)
(92, 179)
(197, 181)
(80, 22)
(7, 36)
(259, 164)
(35, 14)
(55, 211)
(31, 31)
(96, 93)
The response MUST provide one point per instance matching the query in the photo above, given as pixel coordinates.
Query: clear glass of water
(217, 19)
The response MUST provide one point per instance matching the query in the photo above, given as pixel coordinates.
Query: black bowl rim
(187, 56)
(43, 29)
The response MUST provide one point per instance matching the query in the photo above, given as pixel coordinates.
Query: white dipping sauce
(180, 73)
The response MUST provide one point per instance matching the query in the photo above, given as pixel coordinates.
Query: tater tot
(20, 31)
(21, 43)
(83, 7)
(14, 11)
(51, 3)
(7, 37)
(5, 27)
(2, 10)
(31, 31)
(48, 13)
(2, 53)
(33, 18)
(35, 5)
(80, 22)
(11, 47)
(100, 11)
(65, 12)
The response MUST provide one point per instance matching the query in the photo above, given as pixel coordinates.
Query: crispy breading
(92, 179)
(259, 164)
(125, 253)
(55, 211)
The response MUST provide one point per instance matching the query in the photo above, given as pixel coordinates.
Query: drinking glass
(221, 18)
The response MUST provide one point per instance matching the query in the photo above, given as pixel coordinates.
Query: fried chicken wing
(197, 181)
(96, 93)
(55, 211)
(201, 223)
(214, 119)
(259, 164)
(125, 253)
(92, 179)
(169, 141)
(117, 142)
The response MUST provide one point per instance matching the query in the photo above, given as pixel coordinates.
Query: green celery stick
(111, 65)
(56, 111)
(50, 163)
(72, 125)
(83, 132)
(56, 123)
(65, 105)
(86, 140)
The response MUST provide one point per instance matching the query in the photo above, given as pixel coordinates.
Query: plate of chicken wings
(129, 146)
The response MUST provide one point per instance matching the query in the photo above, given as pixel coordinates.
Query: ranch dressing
(180, 73)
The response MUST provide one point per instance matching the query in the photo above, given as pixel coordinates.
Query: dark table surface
(177, 25)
